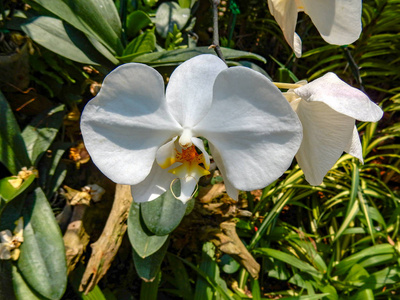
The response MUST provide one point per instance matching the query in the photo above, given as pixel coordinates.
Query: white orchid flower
(10, 242)
(138, 135)
(338, 21)
(327, 108)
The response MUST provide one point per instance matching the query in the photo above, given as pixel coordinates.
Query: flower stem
(215, 44)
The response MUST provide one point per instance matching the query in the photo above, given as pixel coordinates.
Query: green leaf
(228, 264)
(13, 152)
(22, 290)
(144, 43)
(149, 290)
(42, 261)
(356, 276)
(175, 57)
(165, 213)
(378, 253)
(75, 280)
(148, 267)
(209, 277)
(136, 21)
(8, 192)
(64, 40)
(142, 240)
(97, 18)
(169, 14)
(289, 259)
(181, 277)
(39, 135)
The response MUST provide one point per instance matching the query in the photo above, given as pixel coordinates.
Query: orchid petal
(206, 158)
(125, 124)
(341, 97)
(230, 189)
(155, 184)
(338, 21)
(189, 91)
(285, 14)
(354, 147)
(166, 154)
(326, 133)
(253, 128)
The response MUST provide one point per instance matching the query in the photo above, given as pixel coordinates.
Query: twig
(106, 247)
(215, 44)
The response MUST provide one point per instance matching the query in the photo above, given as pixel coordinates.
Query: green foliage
(339, 240)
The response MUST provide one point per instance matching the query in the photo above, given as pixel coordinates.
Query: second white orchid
(328, 108)
(138, 135)
(338, 21)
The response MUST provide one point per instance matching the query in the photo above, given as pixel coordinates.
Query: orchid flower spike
(327, 108)
(338, 21)
(138, 135)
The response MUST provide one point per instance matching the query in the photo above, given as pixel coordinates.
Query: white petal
(230, 189)
(165, 155)
(199, 144)
(326, 133)
(156, 184)
(341, 97)
(189, 90)
(6, 236)
(285, 14)
(125, 124)
(354, 147)
(338, 21)
(252, 126)
(188, 188)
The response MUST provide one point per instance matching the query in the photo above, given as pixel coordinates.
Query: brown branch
(229, 242)
(106, 247)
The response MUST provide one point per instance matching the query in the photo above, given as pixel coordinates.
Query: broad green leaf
(39, 135)
(8, 192)
(22, 290)
(228, 264)
(165, 213)
(169, 14)
(144, 43)
(42, 261)
(13, 152)
(136, 21)
(63, 39)
(148, 267)
(175, 57)
(98, 18)
(144, 242)
(289, 259)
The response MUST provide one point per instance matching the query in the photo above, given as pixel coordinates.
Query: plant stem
(215, 44)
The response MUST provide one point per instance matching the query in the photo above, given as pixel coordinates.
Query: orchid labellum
(327, 108)
(338, 21)
(138, 135)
